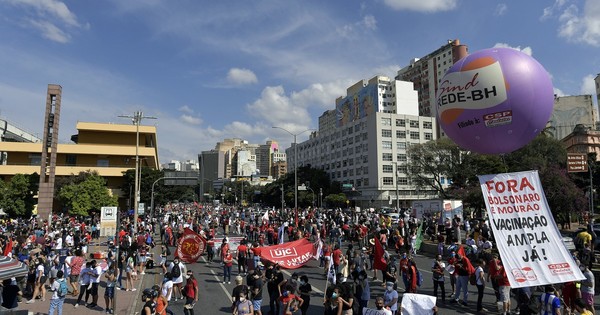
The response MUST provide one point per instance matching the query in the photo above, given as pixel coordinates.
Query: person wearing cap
(149, 298)
(56, 301)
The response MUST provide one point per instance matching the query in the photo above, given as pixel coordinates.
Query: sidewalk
(128, 302)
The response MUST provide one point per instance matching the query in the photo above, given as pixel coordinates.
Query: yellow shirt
(585, 237)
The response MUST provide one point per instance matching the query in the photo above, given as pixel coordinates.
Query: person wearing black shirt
(274, 277)
(390, 274)
(240, 287)
(305, 289)
(256, 291)
(10, 294)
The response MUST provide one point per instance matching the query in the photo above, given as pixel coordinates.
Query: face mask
(389, 287)
(302, 282)
(285, 293)
(242, 299)
(334, 295)
(582, 268)
(187, 276)
(452, 255)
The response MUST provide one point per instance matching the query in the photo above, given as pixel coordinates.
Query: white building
(570, 111)
(361, 142)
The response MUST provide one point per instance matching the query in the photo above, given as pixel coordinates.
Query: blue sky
(211, 70)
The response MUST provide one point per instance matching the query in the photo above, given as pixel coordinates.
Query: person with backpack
(59, 289)
(177, 270)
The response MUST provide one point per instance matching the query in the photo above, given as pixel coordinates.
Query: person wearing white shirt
(178, 281)
(69, 240)
(167, 287)
(59, 242)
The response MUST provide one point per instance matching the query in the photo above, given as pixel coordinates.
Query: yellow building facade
(108, 149)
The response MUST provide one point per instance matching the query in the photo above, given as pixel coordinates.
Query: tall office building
(264, 157)
(426, 73)
(363, 142)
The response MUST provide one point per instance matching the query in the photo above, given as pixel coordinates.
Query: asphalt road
(215, 296)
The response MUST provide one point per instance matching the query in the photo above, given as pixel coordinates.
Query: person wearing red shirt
(492, 275)
(290, 302)
(503, 287)
(337, 255)
(210, 247)
(242, 254)
(412, 276)
(227, 264)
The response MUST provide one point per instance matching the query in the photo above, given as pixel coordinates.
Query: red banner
(190, 246)
(290, 255)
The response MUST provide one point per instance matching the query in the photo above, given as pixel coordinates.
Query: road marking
(219, 281)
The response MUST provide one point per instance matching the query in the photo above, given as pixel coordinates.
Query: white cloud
(190, 119)
(51, 31)
(588, 86)
(186, 109)
(558, 92)
(428, 6)
(241, 76)
(51, 17)
(526, 50)
(275, 108)
(501, 9)
(370, 22)
(580, 25)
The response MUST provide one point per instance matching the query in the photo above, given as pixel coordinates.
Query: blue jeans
(462, 283)
(56, 304)
(226, 273)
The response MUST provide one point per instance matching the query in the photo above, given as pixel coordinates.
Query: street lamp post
(137, 119)
(295, 168)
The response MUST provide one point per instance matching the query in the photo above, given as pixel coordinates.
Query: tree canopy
(85, 192)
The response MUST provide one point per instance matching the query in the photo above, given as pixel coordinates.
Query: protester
(480, 283)
(305, 289)
(587, 286)
(390, 297)
(438, 269)
(191, 293)
(243, 306)
(227, 264)
(58, 298)
(10, 294)
(109, 292)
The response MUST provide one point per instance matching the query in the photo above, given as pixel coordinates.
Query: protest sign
(234, 242)
(417, 304)
(290, 255)
(527, 237)
(370, 311)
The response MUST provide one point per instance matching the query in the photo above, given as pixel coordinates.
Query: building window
(35, 159)
(414, 135)
(386, 145)
(388, 169)
(428, 136)
(401, 145)
(401, 157)
(414, 124)
(403, 168)
(71, 160)
(102, 163)
(386, 157)
(388, 181)
(427, 125)
(400, 134)
(402, 181)
(386, 133)
(365, 181)
(400, 123)
(386, 121)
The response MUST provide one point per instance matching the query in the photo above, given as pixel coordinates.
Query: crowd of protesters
(347, 241)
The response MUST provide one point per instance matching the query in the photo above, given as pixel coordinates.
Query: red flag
(379, 262)
(467, 262)
(190, 246)
(8, 248)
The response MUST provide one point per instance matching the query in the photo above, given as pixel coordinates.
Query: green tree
(336, 200)
(17, 198)
(429, 162)
(89, 195)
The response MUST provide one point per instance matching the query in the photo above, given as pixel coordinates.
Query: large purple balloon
(494, 101)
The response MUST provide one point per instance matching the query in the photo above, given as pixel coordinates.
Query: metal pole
(591, 192)
(296, 179)
(136, 201)
(397, 190)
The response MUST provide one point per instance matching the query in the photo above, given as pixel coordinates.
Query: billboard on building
(357, 106)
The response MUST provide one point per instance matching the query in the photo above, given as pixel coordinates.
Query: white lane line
(218, 281)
